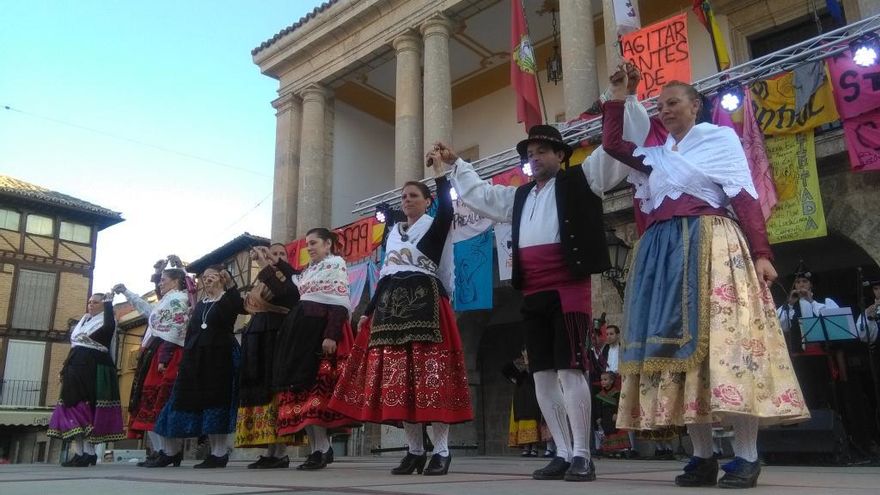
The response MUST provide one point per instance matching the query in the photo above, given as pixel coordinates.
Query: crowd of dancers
(699, 336)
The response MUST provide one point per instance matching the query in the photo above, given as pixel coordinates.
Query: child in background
(609, 440)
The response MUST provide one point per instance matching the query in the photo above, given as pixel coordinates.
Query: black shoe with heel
(72, 461)
(438, 466)
(213, 462)
(553, 471)
(410, 463)
(163, 460)
(316, 460)
(740, 473)
(699, 472)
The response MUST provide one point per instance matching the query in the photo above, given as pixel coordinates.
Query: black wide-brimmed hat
(544, 134)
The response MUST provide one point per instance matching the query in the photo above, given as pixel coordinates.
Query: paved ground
(370, 476)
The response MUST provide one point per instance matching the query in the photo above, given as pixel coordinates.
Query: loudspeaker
(823, 434)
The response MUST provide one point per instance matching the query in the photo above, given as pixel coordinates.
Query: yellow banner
(774, 105)
(799, 213)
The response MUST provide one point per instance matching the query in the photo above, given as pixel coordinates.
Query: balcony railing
(25, 393)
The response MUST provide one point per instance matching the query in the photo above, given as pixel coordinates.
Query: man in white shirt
(800, 304)
(867, 323)
(558, 242)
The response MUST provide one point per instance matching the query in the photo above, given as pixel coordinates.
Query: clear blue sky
(173, 74)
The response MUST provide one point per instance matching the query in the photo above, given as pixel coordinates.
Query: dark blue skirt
(218, 420)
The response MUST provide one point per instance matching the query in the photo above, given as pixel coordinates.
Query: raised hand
(119, 289)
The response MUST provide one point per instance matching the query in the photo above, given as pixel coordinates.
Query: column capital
(408, 41)
(314, 92)
(284, 102)
(438, 24)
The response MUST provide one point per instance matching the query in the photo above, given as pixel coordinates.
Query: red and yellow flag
(707, 18)
(523, 69)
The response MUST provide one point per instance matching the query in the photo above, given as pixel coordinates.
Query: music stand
(834, 324)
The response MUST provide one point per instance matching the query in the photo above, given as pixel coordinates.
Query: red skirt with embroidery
(301, 408)
(154, 394)
(417, 382)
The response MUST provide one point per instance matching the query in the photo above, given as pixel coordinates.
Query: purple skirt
(96, 412)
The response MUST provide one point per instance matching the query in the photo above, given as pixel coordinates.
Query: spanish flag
(705, 15)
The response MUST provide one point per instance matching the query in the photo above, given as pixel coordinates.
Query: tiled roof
(10, 186)
(293, 27)
(222, 253)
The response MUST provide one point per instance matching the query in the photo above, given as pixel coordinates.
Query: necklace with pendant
(206, 312)
(403, 235)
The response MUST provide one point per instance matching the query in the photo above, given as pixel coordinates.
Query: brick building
(47, 255)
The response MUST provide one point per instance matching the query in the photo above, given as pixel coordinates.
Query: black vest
(581, 228)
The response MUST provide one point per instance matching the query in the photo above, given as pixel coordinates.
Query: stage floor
(369, 475)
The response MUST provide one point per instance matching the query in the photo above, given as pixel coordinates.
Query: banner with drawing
(862, 135)
(504, 246)
(473, 272)
(773, 102)
(799, 213)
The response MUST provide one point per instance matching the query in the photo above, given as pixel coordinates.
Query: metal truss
(818, 48)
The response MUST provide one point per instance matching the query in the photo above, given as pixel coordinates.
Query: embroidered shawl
(81, 334)
(325, 282)
(405, 256)
(168, 319)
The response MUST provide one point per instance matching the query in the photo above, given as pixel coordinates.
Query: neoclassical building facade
(365, 86)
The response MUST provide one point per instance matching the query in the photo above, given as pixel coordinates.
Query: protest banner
(473, 272)
(773, 103)
(856, 88)
(862, 135)
(798, 214)
(504, 247)
(661, 53)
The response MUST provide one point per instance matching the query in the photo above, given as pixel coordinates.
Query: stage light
(453, 194)
(382, 212)
(865, 49)
(527, 168)
(730, 97)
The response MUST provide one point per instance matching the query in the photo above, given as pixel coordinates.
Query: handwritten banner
(862, 135)
(773, 102)
(856, 89)
(660, 51)
(513, 177)
(799, 213)
(467, 223)
(504, 246)
(358, 239)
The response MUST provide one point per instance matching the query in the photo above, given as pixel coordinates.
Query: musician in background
(867, 322)
(800, 304)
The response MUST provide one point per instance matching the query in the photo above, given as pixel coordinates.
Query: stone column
(438, 83)
(310, 198)
(408, 149)
(288, 114)
(868, 8)
(579, 79)
(612, 51)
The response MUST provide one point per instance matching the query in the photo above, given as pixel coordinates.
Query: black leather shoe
(580, 469)
(164, 459)
(315, 461)
(438, 466)
(262, 462)
(213, 462)
(328, 457)
(86, 460)
(553, 471)
(72, 461)
(699, 472)
(410, 463)
(154, 454)
(740, 473)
